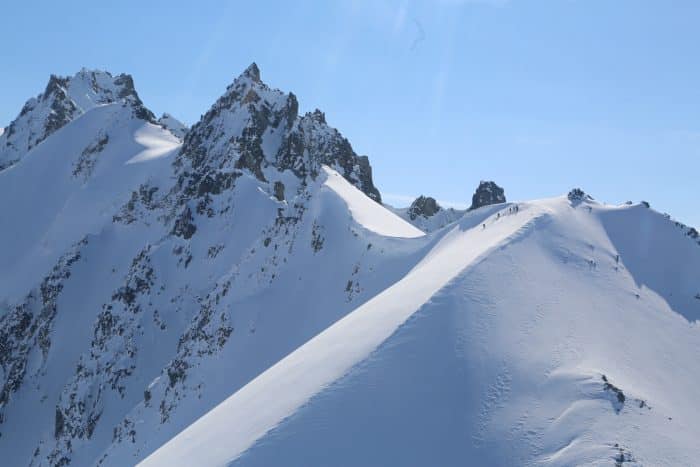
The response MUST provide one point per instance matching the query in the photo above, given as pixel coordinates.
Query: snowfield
(236, 293)
(492, 349)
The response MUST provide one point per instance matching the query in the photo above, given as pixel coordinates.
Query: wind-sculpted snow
(370, 215)
(521, 340)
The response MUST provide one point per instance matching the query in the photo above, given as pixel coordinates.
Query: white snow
(67, 207)
(156, 144)
(513, 326)
(366, 212)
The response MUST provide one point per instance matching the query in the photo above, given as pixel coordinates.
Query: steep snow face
(72, 187)
(527, 337)
(370, 215)
(63, 100)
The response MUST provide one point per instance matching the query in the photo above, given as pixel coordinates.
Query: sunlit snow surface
(156, 142)
(74, 202)
(366, 212)
(490, 351)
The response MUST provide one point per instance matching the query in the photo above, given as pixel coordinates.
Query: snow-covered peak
(252, 72)
(63, 100)
(257, 129)
(172, 124)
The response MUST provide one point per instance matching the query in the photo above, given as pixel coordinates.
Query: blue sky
(538, 95)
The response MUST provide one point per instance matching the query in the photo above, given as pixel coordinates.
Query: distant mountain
(237, 293)
(426, 214)
(63, 100)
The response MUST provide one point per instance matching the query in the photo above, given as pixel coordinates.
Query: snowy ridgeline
(235, 293)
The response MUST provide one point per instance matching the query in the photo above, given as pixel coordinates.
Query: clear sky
(538, 95)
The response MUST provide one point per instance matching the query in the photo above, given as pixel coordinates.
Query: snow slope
(85, 176)
(64, 100)
(368, 213)
(509, 344)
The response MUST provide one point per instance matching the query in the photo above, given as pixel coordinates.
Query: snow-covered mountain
(236, 293)
(141, 276)
(63, 100)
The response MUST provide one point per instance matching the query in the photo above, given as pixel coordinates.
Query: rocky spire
(578, 195)
(255, 128)
(486, 194)
(252, 72)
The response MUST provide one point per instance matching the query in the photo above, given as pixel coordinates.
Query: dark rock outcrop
(425, 206)
(268, 133)
(486, 194)
(577, 195)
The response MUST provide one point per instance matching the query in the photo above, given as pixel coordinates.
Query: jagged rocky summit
(62, 101)
(425, 206)
(486, 194)
(254, 127)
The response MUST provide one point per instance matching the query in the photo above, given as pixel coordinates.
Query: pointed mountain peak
(256, 128)
(252, 72)
(64, 99)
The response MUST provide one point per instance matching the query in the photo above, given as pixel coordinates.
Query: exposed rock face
(486, 194)
(63, 100)
(423, 206)
(578, 195)
(253, 127)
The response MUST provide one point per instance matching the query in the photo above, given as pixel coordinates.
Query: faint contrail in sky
(420, 35)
